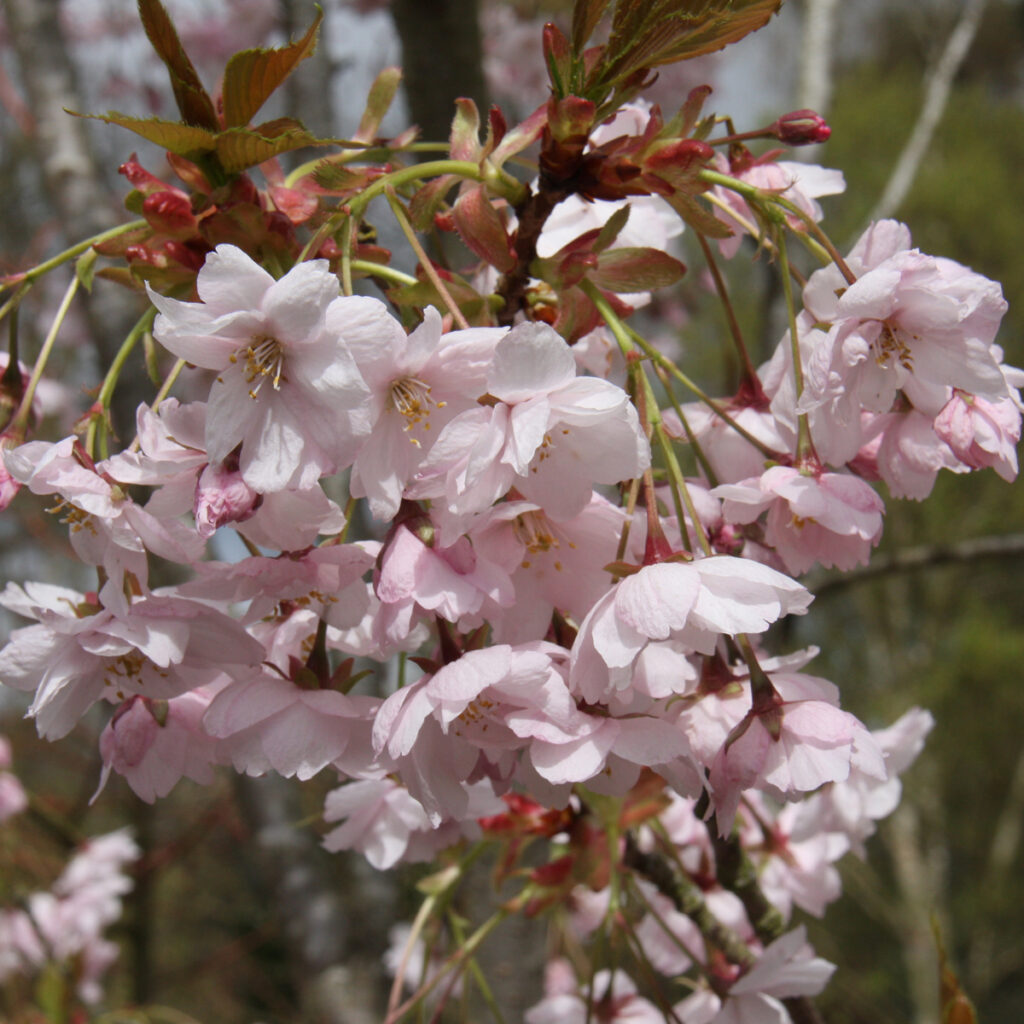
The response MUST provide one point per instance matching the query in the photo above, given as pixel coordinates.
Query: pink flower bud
(222, 496)
(129, 735)
(801, 128)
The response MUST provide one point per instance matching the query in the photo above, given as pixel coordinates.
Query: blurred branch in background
(937, 88)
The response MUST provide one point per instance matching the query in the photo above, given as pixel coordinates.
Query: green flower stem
(680, 489)
(434, 902)
(677, 482)
(730, 313)
(346, 257)
(821, 245)
(804, 445)
(169, 381)
(106, 394)
(486, 993)
(19, 422)
(396, 179)
(659, 360)
(425, 261)
(646, 400)
(69, 254)
(456, 960)
(11, 305)
(382, 271)
(691, 439)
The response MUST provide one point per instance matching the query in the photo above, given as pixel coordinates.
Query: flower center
(73, 517)
(890, 344)
(412, 399)
(264, 357)
(534, 530)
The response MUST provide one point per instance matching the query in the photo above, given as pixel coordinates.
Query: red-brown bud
(801, 128)
(170, 213)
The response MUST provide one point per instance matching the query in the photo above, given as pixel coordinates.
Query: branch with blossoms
(574, 576)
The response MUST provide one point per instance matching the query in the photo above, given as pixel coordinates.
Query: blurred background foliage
(213, 928)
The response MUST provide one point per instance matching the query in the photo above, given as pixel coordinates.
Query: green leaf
(336, 177)
(252, 75)
(184, 139)
(612, 227)
(649, 33)
(239, 148)
(698, 216)
(193, 101)
(585, 16)
(378, 102)
(85, 268)
(636, 269)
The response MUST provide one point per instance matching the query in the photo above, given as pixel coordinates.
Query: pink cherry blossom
(611, 998)
(801, 183)
(551, 435)
(911, 321)
(830, 518)
(287, 389)
(785, 969)
(106, 527)
(692, 603)
(388, 826)
(982, 433)
(79, 652)
(551, 564)
(154, 744)
(791, 745)
(418, 383)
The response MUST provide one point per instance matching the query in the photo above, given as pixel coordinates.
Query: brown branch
(938, 86)
(926, 556)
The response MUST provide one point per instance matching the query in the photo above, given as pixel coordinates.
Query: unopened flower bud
(801, 128)
(222, 496)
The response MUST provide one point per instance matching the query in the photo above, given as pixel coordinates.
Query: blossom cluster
(63, 924)
(494, 507)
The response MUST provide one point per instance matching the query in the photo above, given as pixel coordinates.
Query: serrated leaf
(464, 138)
(611, 228)
(378, 102)
(252, 75)
(85, 268)
(193, 101)
(184, 139)
(239, 148)
(335, 177)
(585, 16)
(480, 227)
(699, 217)
(427, 200)
(636, 269)
(647, 34)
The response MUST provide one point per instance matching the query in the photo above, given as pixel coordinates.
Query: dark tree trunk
(442, 58)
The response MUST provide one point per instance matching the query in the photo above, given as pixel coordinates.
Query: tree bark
(73, 178)
(442, 56)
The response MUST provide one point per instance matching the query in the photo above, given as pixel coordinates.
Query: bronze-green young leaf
(378, 102)
(648, 33)
(585, 17)
(252, 75)
(636, 270)
(185, 140)
(193, 101)
(240, 148)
